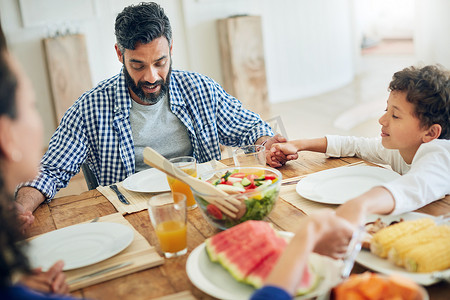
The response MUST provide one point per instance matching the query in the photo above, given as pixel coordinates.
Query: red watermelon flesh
(241, 259)
(236, 235)
(260, 273)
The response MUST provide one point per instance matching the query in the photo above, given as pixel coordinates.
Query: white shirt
(425, 180)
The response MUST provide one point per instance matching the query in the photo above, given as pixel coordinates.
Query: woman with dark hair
(20, 142)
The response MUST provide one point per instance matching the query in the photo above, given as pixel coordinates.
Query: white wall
(309, 45)
(432, 32)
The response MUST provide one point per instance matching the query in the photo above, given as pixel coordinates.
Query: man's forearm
(29, 198)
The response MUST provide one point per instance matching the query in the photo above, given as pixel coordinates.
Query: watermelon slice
(250, 250)
(236, 235)
(241, 259)
(260, 273)
(310, 280)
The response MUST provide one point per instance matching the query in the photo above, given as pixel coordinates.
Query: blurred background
(324, 65)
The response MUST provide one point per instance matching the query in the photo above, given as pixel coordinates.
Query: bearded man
(177, 113)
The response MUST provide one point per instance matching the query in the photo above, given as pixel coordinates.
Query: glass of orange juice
(251, 155)
(189, 166)
(168, 216)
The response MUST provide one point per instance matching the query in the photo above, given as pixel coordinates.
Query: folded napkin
(138, 201)
(140, 253)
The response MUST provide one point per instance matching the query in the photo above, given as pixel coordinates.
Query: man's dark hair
(428, 89)
(142, 23)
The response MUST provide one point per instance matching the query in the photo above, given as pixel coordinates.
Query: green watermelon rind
(210, 251)
(312, 287)
(232, 268)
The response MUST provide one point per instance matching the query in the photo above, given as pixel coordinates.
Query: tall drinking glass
(188, 165)
(168, 216)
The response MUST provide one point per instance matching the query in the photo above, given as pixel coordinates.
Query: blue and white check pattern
(97, 129)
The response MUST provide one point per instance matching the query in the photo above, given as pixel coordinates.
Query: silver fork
(443, 219)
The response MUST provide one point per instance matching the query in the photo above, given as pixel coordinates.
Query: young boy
(415, 142)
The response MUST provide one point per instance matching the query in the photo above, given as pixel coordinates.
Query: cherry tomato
(214, 211)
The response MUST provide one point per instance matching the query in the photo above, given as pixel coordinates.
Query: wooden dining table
(171, 277)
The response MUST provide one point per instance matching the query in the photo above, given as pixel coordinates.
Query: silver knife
(97, 273)
(119, 194)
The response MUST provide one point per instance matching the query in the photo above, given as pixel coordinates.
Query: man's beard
(148, 98)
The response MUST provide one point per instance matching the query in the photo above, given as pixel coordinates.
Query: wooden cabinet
(68, 70)
(243, 64)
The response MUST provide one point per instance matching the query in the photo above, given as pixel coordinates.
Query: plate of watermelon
(226, 276)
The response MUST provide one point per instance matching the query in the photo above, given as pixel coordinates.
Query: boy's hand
(52, 281)
(279, 160)
(284, 149)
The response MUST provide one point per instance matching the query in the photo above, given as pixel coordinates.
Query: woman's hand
(333, 233)
(52, 281)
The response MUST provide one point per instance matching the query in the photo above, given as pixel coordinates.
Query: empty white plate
(336, 186)
(79, 245)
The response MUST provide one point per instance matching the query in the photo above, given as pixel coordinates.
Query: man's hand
(52, 281)
(273, 160)
(25, 217)
(27, 200)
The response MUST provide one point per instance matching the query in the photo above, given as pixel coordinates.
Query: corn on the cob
(383, 240)
(431, 257)
(401, 247)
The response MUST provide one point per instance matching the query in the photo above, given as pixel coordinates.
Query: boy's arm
(377, 200)
(292, 147)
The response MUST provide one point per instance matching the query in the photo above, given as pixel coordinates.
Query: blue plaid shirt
(97, 129)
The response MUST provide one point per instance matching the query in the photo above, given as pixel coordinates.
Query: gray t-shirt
(156, 126)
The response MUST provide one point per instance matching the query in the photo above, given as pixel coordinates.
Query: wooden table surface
(171, 277)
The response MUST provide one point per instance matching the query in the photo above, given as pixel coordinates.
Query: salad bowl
(255, 188)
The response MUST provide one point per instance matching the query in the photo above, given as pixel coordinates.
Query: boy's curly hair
(428, 89)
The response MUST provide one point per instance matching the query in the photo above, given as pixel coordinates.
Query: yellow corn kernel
(430, 257)
(401, 247)
(382, 240)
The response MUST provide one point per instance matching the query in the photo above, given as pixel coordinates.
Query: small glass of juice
(168, 216)
(188, 165)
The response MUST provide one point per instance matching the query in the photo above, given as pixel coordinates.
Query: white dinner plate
(79, 245)
(381, 265)
(153, 180)
(214, 280)
(336, 186)
(147, 181)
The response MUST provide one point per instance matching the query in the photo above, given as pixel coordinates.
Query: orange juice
(180, 187)
(258, 173)
(172, 236)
